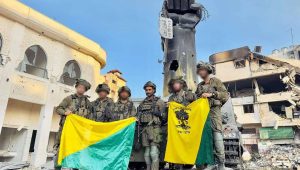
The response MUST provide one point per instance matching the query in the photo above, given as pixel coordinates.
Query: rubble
(275, 157)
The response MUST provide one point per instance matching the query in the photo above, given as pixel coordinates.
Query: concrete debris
(11, 165)
(276, 156)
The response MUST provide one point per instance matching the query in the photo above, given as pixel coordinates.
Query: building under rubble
(265, 95)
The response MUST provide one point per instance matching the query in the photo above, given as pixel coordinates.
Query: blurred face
(80, 89)
(203, 73)
(149, 91)
(124, 95)
(102, 94)
(177, 86)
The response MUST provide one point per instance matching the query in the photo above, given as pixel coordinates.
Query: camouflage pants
(216, 119)
(216, 123)
(151, 135)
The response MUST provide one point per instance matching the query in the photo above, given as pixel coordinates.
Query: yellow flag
(189, 133)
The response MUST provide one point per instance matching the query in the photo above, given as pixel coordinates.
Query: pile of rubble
(276, 156)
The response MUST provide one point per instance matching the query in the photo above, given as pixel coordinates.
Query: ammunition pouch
(215, 102)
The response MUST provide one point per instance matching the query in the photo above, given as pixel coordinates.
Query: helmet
(203, 65)
(124, 88)
(83, 82)
(150, 84)
(102, 87)
(175, 80)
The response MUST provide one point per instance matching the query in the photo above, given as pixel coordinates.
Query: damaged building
(265, 93)
(40, 60)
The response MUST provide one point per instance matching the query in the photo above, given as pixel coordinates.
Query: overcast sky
(128, 30)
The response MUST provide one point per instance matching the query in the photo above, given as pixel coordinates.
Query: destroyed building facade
(265, 95)
(39, 63)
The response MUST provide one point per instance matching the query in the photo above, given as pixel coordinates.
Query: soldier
(180, 94)
(103, 106)
(124, 107)
(213, 89)
(150, 114)
(77, 103)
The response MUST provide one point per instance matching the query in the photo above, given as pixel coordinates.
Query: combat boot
(221, 166)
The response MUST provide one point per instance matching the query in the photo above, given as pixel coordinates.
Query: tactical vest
(101, 110)
(146, 111)
(80, 106)
(180, 98)
(122, 110)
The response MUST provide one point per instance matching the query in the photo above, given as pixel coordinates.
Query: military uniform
(79, 105)
(218, 98)
(184, 96)
(102, 108)
(124, 109)
(150, 114)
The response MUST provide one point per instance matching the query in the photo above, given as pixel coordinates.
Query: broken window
(279, 107)
(240, 63)
(241, 88)
(271, 84)
(248, 108)
(71, 73)
(34, 62)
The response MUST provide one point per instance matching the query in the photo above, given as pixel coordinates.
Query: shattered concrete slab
(276, 157)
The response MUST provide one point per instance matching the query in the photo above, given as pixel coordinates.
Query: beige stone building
(114, 80)
(262, 91)
(39, 62)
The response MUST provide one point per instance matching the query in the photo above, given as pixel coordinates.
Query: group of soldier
(152, 112)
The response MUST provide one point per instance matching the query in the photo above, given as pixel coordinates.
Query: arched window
(71, 73)
(34, 62)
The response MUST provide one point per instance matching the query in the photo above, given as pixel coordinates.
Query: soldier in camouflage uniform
(213, 89)
(77, 103)
(124, 107)
(103, 106)
(150, 114)
(180, 94)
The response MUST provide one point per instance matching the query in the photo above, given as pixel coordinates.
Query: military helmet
(150, 84)
(203, 65)
(83, 82)
(177, 80)
(102, 87)
(124, 88)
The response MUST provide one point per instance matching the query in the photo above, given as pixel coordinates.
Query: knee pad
(147, 155)
(154, 153)
(147, 151)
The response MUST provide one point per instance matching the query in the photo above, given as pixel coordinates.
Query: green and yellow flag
(190, 139)
(90, 145)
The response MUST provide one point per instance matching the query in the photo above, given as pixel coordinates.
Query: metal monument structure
(178, 20)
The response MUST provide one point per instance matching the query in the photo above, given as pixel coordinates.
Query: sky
(128, 30)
